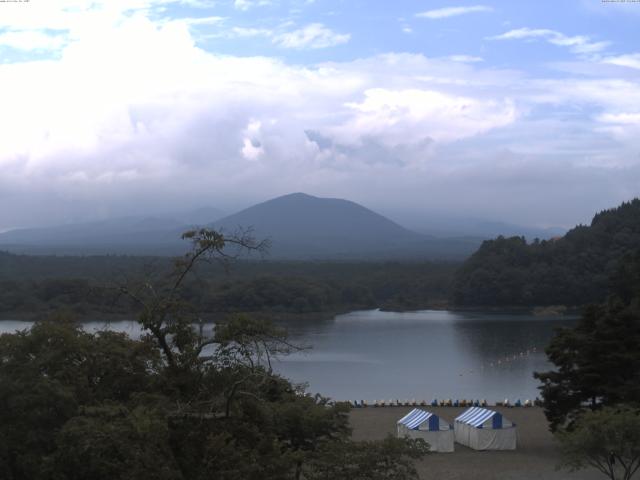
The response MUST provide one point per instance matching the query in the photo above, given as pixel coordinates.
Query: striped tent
(483, 429)
(427, 426)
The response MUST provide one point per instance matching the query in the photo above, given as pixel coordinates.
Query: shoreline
(288, 317)
(208, 317)
(535, 310)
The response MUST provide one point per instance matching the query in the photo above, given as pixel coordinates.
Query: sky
(526, 112)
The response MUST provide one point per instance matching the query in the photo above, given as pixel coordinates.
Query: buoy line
(506, 360)
(441, 403)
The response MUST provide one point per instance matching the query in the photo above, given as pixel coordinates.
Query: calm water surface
(412, 355)
(387, 355)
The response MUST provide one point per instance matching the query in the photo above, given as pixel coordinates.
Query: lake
(373, 355)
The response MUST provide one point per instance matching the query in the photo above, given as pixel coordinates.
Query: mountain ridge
(300, 226)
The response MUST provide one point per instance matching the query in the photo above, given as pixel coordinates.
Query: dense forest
(175, 404)
(572, 270)
(90, 286)
(591, 396)
(597, 362)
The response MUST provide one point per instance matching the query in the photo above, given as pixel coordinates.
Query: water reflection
(387, 355)
(383, 355)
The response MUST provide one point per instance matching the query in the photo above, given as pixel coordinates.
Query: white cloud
(413, 116)
(72, 14)
(196, 21)
(198, 3)
(314, 35)
(251, 143)
(245, 5)
(621, 118)
(465, 58)
(250, 32)
(176, 115)
(623, 126)
(609, 95)
(581, 44)
(134, 115)
(453, 11)
(631, 60)
(31, 40)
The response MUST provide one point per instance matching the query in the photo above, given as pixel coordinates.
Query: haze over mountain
(304, 226)
(452, 226)
(133, 235)
(528, 118)
(317, 222)
(299, 226)
(198, 216)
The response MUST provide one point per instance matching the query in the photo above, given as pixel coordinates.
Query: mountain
(572, 270)
(317, 220)
(132, 235)
(299, 226)
(306, 227)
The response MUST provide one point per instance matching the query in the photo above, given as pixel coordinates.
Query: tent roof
(476, 416)
(415, 418)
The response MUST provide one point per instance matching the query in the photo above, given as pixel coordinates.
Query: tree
(310, 423)
(607, 439)
(48, 373)
(598, 361)
(165, 314)
(179, 403)
(244, 352)
(112, 441)
(571, 270)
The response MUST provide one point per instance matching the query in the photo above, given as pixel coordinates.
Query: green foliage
(607, 439)
(111, 441)
(76, 405)
(177, 404)
(50, 372)
(88, 286)
(626, 280)
(598, 361)
(572, 270)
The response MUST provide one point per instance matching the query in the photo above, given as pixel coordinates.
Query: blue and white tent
(427, 426)
(483, 429)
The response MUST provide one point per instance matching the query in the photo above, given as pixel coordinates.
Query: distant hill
(303, 224)
(306, 227)
(132, 235)
(572, 270)
(300, 227)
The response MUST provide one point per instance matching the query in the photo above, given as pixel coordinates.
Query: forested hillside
(572, 270)
(88, 286)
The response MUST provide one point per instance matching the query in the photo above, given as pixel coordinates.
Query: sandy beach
(535, 458)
